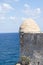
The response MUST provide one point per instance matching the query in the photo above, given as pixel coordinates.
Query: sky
(13, 12)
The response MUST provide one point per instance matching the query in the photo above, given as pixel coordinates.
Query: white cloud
(2, 18)
(7, 6)
(10, 1)
(38, 10)
(12, 17)
(16, 0)
(31, 12)
(0, 8)
(23, 18)
(26, 5)
(4, 8)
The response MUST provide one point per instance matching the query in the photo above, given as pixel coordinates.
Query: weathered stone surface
(33, 46)
(31, 41)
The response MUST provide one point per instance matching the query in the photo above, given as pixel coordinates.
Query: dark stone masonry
(31, 43)
(32, 46)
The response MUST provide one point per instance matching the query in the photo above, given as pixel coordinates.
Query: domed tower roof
(29, 26)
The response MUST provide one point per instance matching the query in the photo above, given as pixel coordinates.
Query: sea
(9, 48)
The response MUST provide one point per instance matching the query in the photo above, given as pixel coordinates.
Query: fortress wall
(31, 42)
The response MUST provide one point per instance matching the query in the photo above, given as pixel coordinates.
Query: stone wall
(32, 46)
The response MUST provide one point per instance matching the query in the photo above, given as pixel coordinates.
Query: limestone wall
(31, 41)
(32, 45)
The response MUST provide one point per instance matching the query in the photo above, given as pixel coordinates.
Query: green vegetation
(25, 59)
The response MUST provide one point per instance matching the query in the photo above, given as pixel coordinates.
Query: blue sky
(13, 12)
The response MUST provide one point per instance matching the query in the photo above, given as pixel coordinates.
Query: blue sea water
(9, 48)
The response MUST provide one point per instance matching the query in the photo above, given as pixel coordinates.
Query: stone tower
(31, 41)
(29, 26)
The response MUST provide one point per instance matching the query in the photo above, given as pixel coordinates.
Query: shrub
(25, 59)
